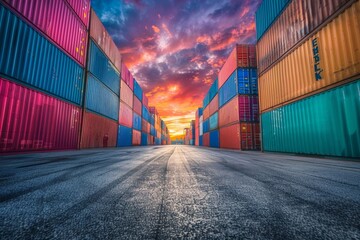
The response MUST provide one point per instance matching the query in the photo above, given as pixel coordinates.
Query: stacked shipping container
(309, 75)
(60, 82)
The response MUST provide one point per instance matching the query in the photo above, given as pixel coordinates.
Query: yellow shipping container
(330, 56)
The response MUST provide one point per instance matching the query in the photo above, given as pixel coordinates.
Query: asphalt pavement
(177, 192)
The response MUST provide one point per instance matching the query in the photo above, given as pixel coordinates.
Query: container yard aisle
(163, 192)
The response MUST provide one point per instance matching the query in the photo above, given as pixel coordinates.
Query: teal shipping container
(324, 124)
(267, 13)
(211, 93)
(28, 57)
(102, 68)
(101, 99)
(214, 121)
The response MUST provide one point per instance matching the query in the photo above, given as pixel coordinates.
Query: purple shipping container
(82, 9)
(31, 120)
(57, 21)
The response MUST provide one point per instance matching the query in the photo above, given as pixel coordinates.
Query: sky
(175, 48)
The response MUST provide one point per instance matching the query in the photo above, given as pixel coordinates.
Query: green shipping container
(324, 124)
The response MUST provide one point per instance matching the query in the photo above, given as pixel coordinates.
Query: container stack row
(61, 79)
(309, 71)
(190, 134)
(229, 117)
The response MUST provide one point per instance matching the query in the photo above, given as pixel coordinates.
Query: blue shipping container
(162, 124)
(101, 99)
(144, 138)
(124, 136)
(206, 126)
(137, 90)
(137, 123)
(145, 113)
(102, 68)
(200, 140)
(29, 57)
(214, 139)
(152, 120)
(213, 90)
(228, 89)
(267, 13)
(247, 81)
(200, 110)
(157, 141)
(213, 121)
(152, 131)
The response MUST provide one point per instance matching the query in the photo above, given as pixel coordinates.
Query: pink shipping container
(150, 140)
(125, 115)
(229, 113)
(145, 101)
(158, 134)
(104, 40)
(214, 105)
(98, 131)
(145, 126)
(136, 137)
(127, 77)
(82, 9)
(206, 113)
(57, 21)
(137, 106)
(243, 56)
(126, 94)
(30, 120)
(206, 139)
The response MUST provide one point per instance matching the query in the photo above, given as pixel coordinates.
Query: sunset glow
(176, 48)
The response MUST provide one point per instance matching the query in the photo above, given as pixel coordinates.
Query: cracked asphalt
(177, 192)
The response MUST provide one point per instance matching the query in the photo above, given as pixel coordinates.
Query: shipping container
(327, 58)
(144, 139)
(229, 113)
(98, 131)
(248, 108)
(82, 9)
(101, 99)
(201, 141)
(267, 13)
(214, 105)
(124, 138)
(145, 113)
(214, 139)
(20, 45)
(152, 131)
(243, 136)
(327, 123)
(243, 56)
(206, 126)
(206, 101)
(138, 92)
(31, 120)
(127, 77)
(104, 40)
(213, 121)
(157, 141)
(228, 90)
(230, 136)
(206, 113)
(201, 126)
(145, 100)
(137, 106)
(298, 20)
(125, 115)
(145, 126)
(102, 68)
(56, 20)
(206, 140)
(126, 94)
(136, 137)
(247, 81)
(137, 122)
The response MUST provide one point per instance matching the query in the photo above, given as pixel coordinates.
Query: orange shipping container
(137, 105)
(206, 139)
(104, 40)
(126, 95)
(214, 105)
(206, 113)
(243, 56)
(243, 136)
(136, 137)
(328, 57)
(229, 113)
(98, 131)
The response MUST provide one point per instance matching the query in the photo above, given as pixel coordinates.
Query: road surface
(172, 192)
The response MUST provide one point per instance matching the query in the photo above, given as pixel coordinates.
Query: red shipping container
(126, 94)
(125, 115)
(153, 110)
(257, 141)
(30, 120)
(158, 134)
(243, 56)
(127, 77)
(145, 126)
(98, 131)
(137, 106)
(57, 21)
(254, 102)
(145, 101)
(230, 137)
(206, 139)
(206, 113)
(104, 40)
(82, 9)
(214, 105)
(136, 137)
(229, 113)
(246, 136)
(163, 142)
(245, 108)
